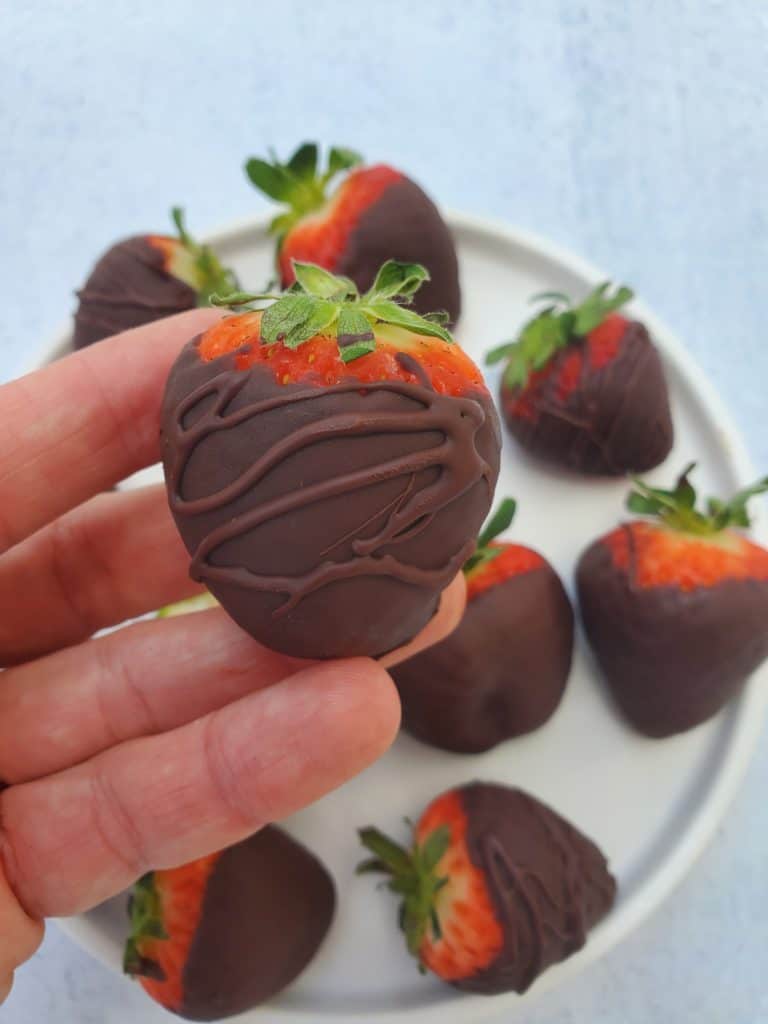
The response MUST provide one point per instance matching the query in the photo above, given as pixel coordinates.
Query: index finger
(81, 425)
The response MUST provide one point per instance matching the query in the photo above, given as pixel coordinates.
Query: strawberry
(329, 461)
(502, 672)
(373, 215)
(145, 278)
(219, 935)
(495, 888)
(583, 386)
(676, 606)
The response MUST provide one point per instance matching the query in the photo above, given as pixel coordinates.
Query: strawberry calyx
(146, 915)
(677, 510)
(486, 551)
(559, 324)
(321, 303)
(299, 183)
(413, 876)
(196, 264)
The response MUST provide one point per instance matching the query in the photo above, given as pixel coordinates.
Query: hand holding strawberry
(328, 461)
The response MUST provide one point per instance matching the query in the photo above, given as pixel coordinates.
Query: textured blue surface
(635, 133)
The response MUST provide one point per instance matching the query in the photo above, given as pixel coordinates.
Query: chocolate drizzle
(450, 456)
(549, 883)
(616, 420)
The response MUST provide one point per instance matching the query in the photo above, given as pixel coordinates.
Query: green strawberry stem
(559, 324)
(299, 184)
(323, 303)
(677, 508)
(499, 521)
(208, 275)
(146, 913)
(412, 876)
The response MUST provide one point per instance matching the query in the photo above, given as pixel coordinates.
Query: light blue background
(634, 132)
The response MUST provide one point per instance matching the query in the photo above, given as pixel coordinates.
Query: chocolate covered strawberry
(503, 671)
(495, 888)
(675, 606)
(145, 278)
(373, 214)
(583, 386)
(219, 935)
(329, 461)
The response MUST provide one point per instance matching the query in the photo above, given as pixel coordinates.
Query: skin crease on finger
(75, 838)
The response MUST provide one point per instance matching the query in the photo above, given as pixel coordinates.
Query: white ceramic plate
(650, 805)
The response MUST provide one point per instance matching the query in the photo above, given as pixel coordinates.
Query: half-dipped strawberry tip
(503, 671)
(675, 605)
(351, 218)
(583, 386)
(494, 888)
(146, 278)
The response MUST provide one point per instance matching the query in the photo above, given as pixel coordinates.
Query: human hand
(165, 740)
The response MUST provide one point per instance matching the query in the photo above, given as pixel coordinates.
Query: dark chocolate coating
(617, 420)
(128, 287)
(548, 882)
(267, 907)
(326, 520)
(500, 674)
(671, 658)
(404, 224)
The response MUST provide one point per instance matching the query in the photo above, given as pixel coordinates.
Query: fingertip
(447, 617)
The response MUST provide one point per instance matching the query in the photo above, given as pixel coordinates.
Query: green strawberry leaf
(396, 279)
(354, 333)
(434, 847)
(303, 163)
(270, 178)
(559, 324)
(677, 508)
(287, 320)
(201, 269)
(389, 312)
(500, 521)
(321, 283)
(341, 159)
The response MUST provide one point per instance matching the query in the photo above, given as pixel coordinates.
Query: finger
(20, 936)
(113, 558)
(444, 621)
(87, 421)
(139, 681)
(73, 839)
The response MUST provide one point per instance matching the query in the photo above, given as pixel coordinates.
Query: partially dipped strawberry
(219, 935)
(495, 888)
(145, 278)
(503, 671)
(329, 461)
(584, 387)
(373, 214)
(675, 606)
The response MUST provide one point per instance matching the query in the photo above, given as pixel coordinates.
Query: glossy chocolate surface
(267, 907)
(128, 287)
(671, 658)
(326, 520)
(405, 224)
(500, 674)
(617, 419)
(548, 882)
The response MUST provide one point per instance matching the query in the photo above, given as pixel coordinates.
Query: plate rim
(748, 711)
